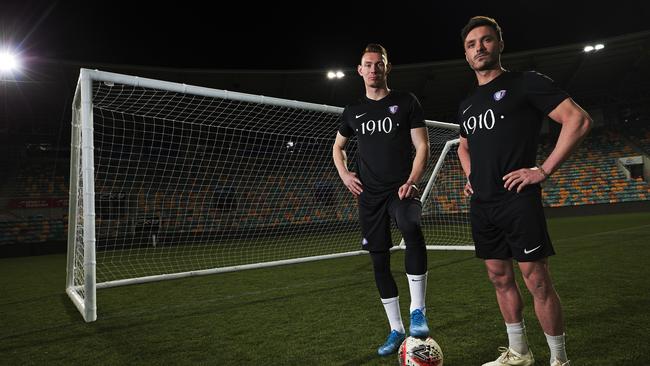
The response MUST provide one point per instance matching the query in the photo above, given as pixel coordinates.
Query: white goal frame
(81, 281)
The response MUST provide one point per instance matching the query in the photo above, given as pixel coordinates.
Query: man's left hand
(408, 190)
(523, 177)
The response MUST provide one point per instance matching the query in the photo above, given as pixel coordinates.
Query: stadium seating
(30, 181)
(32, 229)
(590, 176)
(639, 134)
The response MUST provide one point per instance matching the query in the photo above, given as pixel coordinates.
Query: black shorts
(515, 229)
(375, 213)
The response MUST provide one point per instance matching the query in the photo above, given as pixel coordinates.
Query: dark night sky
(277, 35)
(55, 38)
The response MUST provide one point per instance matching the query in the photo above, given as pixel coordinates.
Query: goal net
(170, 180)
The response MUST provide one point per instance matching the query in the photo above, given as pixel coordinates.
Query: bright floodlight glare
(331, 74)
(8, 61)
(588, 48)
(340, 74)
(599, 47)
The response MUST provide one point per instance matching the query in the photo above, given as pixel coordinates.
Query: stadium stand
(35, 196)
(639, 134)
(591, 175)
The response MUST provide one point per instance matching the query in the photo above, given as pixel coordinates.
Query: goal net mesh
(185, 182)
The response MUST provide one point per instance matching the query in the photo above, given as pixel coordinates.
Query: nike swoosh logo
(465, 110)
(526, 251)
(360, 115)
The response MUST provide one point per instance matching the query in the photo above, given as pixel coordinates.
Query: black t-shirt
(501, 121)
(383, 130)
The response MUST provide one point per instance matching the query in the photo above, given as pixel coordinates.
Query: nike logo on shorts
(526, 251)
(360, 115)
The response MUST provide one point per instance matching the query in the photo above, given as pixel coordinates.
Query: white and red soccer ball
(419, 352)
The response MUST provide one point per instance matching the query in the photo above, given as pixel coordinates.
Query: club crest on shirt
(499, 95)
(393, 109)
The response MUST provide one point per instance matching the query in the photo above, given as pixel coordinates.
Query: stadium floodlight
(8, 61)
(335, 74)
(170, 180)
(597, 47)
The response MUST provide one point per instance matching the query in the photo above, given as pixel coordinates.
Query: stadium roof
(617, 76)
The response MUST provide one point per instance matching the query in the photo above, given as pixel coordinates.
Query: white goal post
(169, 180)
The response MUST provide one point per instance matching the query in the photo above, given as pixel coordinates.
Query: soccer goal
(169, 180)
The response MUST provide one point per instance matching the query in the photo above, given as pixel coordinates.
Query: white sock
(517, 337)
(556, 345)
(418, 288)
(392, 312)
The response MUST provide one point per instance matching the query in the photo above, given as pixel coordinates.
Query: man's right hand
(468, 189)
(352, 183)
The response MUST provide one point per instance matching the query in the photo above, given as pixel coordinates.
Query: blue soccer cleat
(392, 343)
(418, 327)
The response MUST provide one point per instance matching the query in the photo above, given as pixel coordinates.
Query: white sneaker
(511, 358)
(560, 363)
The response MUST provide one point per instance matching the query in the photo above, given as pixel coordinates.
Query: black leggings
(407, 216)
(415, 262)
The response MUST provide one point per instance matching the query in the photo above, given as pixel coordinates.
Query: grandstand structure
(35, 141)
(592, 175)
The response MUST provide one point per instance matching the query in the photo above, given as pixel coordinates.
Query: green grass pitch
(328, 312)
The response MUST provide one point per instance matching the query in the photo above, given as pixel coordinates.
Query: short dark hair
(375, 48)
(479, 21)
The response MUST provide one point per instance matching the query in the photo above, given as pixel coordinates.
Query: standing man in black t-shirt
(388, 124)
(499, 127)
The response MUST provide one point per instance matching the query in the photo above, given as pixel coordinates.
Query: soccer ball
(419, 352)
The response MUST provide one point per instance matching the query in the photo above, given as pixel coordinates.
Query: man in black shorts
(499, 127)
(388, 124)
